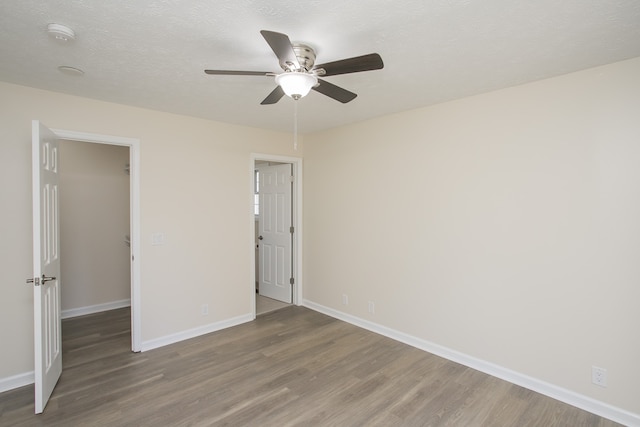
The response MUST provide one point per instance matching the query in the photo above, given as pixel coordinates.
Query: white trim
(196, 332)
(136, 259)
(296, 164)
(91, 309)
(134, 187)
(16, 381)
(567, 396)
(96, 138)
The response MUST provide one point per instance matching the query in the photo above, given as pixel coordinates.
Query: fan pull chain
(295, 125)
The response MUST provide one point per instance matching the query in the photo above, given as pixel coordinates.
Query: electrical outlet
(205, 309)
(345, 299)
(599, 376)
(372, 307)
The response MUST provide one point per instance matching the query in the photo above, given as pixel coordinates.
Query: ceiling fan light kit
(300, 72)
(296, 84)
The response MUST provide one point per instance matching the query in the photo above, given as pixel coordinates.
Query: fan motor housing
(306, 58)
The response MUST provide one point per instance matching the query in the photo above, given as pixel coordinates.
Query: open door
(46, 264)
(275, 233)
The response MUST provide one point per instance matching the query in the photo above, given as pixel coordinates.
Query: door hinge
(291, 281)
(291, 178)
(291, 229)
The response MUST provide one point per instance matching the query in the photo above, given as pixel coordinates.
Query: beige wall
(195, 187)
(505, 226)
(94, 220)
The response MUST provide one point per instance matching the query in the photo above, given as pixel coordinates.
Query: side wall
(94, 222)
(195, 189)
(504, 226)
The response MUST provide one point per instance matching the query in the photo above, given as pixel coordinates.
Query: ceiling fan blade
(274, 96)
(335, 92)
(281, 46)
(369, 62)
(237, 73)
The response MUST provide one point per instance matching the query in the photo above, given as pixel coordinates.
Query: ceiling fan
(300, 72)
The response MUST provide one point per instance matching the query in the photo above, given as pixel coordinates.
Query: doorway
(276, 232)
(94, 227)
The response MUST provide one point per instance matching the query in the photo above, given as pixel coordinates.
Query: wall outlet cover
(599, 376)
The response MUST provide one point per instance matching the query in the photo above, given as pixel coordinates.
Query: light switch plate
(157, 239)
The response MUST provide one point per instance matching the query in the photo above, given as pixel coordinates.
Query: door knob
(46, 279)
(41, 280)
(260, 238)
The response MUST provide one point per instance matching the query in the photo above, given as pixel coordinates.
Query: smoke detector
(61, 32)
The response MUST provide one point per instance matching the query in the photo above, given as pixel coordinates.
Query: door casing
(134, 206)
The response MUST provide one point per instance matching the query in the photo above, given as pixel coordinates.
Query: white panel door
(46, 264)
(274, 232)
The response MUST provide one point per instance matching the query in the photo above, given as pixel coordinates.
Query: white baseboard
(16, 381)
(567, 396)
(195, 332)
(82, 311)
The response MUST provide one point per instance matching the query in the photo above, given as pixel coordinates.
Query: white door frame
(296, 203)
(134, 203)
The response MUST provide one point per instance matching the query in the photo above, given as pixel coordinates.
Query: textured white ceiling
(152, 53)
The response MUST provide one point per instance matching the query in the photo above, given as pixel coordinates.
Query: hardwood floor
(291, 367)
(266, 305)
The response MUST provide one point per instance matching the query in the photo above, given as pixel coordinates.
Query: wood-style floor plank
(291, 367)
